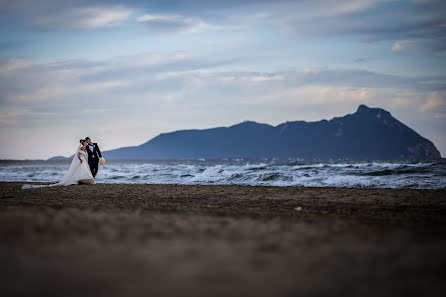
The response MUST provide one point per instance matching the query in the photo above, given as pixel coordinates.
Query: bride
(78, 172)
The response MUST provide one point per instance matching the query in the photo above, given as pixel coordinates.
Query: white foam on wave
(363, 174)
(319, 165)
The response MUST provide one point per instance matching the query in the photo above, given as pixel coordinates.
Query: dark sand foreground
(178, 240)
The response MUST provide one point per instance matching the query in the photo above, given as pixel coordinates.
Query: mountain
(367, 134)
(58, 158)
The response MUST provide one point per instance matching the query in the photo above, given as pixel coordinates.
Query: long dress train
(78, 172)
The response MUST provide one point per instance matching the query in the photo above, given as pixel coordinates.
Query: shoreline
(202, 240)
(241, 185)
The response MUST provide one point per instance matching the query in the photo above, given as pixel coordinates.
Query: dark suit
(93, 158)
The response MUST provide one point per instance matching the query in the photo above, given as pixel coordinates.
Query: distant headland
(369, 133)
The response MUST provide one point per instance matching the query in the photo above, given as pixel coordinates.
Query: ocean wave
(427, 175)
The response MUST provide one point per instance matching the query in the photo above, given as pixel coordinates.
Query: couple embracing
(85, 172)
(83, 167)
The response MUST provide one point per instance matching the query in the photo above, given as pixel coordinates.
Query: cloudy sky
(122, 72)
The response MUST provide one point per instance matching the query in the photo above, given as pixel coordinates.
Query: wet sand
(190, 240)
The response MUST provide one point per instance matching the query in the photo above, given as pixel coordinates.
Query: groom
(94, 153)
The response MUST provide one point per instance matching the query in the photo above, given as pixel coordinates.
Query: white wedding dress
(77, 172)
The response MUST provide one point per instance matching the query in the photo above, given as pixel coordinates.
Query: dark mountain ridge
(367, 134)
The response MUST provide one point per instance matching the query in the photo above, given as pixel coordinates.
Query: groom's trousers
(93, 168)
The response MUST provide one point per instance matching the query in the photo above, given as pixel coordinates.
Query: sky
(122, 72)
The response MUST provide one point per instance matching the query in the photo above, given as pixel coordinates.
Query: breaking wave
(426, 175)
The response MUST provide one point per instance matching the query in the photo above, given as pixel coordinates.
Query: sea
(254, 172)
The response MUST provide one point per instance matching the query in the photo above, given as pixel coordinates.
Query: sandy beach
(191, 240)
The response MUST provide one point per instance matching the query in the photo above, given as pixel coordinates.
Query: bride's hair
(82, 141)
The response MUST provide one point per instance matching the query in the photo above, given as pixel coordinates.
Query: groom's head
(88, 140)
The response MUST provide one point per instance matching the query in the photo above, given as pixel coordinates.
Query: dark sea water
(373, 174)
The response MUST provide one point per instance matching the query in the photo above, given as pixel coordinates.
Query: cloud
(88, 17)
(65, 15)
(168, 75)
(364, 59)
(432, 101)
(421, 45)
(411, 26)
(157, 92)
(13, 64)
(174, 24)
(9, 118)
(205, 6)
(316, 95)
(398, 46)
(151, 93)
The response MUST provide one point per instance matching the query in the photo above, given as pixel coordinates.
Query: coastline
(202, 240)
